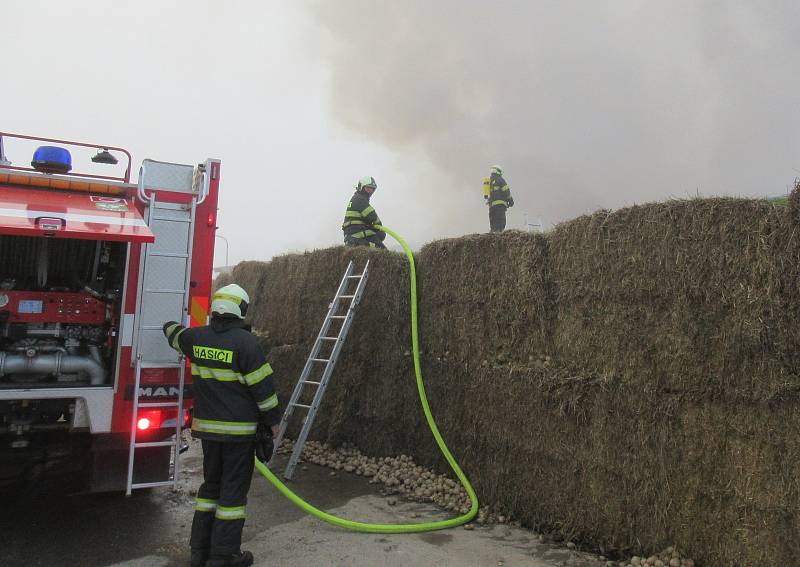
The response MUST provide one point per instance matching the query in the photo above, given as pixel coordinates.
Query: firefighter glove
(264, 443)
(168, 324)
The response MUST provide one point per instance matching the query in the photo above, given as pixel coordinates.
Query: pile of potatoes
(670, 557)
(401, 476)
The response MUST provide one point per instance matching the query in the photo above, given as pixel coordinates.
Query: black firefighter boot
(199, 558)
(241, 559)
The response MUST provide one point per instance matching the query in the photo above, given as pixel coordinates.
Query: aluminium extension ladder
(316, 358)
(164, 284)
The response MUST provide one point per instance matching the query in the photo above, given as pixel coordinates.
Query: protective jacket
(499, 193)
(360, 218)
(233, 390)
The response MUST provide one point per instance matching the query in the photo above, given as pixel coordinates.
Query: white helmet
(496, 169)
(231, 299)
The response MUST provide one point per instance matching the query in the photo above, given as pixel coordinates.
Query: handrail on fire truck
(173, 177)
(125, 179)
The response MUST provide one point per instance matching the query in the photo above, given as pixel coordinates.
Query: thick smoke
(585, 104)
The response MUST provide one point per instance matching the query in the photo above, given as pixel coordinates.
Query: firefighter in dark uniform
(360, 219)
(498, 199)
(235, 413)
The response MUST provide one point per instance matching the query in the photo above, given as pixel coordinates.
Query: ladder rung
(329, 338)
(173, 219)
(174, 291)
(165, 205)
(155, 444)
(157, 404)
(355, 277)
(167, 255)
(152, 484)
(345, 296)
(321, 359)
(311, 382)
(301, 405)
(338, 316)
(157, 364)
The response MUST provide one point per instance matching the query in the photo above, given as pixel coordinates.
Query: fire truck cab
(91, 266)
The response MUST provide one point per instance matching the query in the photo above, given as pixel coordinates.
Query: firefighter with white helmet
(497, 195)
(236, 413)
(360, 219)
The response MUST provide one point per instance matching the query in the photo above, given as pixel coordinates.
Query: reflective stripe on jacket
(233, 388)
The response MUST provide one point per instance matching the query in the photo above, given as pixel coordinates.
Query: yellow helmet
(230, 299)
(367, 181)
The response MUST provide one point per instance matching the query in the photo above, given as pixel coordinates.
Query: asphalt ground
(151, 528)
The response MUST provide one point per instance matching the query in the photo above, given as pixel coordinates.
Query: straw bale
(371, 379)
(630, 380)
(486, 297)
(794, 201)
(294, 291)
(371, 403)
(693, 295)
(222, 280)
(626, 469)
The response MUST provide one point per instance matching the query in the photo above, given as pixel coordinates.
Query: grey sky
(585, 104)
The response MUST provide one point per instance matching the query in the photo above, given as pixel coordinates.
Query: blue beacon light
(51, 159)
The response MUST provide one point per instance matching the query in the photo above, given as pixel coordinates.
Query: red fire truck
(91, 266)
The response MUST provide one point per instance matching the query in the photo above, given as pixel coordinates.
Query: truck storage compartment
(59, 310)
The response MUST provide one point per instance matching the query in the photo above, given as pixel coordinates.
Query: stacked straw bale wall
(629, 380)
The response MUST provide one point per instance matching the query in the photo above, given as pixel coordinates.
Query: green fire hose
(394, 528)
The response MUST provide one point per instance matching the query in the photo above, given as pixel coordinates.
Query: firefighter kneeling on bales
(235, 412)
(360, 219)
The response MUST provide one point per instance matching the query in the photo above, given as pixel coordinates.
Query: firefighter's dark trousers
(497, 218)
(219, 512)
(373, 241)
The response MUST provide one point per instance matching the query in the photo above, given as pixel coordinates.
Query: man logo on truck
(159, 392)
(216, 354)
